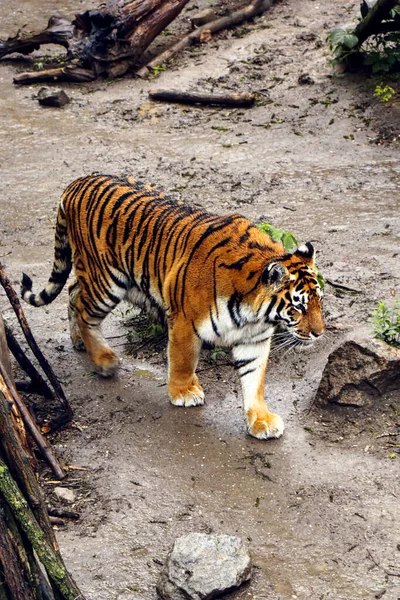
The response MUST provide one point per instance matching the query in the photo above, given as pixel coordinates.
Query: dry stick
(378, 564)
(15, 303)
(238, 100)
(10, 393)
(255, 8)
(38, 382)
(52, 562)
(340, 286)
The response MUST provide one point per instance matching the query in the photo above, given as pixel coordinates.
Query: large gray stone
(201, 567)
(359, 371)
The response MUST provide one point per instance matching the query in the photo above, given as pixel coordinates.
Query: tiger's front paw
(190, 396)
(264, 425)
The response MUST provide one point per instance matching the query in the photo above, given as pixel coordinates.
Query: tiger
(215, 280)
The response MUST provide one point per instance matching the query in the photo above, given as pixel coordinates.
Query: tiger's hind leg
(77, 341)
(85, 317)
(183, 353)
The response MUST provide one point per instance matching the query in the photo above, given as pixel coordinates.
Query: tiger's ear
(274, 274)
(306, 252)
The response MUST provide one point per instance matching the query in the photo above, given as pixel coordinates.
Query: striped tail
(61, 268)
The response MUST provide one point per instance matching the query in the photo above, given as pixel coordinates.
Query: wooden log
(23, 514)
(255, 8)
(19, 462)
(15, 303)
(10, 393)
(238, 100)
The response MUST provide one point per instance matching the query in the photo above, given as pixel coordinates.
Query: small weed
(385, 93)
(387, 323)
(157, 69)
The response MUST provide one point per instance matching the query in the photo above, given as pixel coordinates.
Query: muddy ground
(320, 507)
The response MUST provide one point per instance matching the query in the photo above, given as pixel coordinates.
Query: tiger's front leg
(251, 363)
(183, 354)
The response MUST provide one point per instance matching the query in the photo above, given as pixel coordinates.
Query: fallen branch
(10, 393)
(238, 100)
(256, 7)
(38, 383)
(65, 73)
(59, 30)
(15, 303)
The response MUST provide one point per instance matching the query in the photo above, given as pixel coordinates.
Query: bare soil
(320, 507)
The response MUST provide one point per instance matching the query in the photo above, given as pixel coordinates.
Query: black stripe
(270, 307)
(238, 264)
(219, 245)
(246, 372)
(214, 325)
(243, 362)
(234, 308)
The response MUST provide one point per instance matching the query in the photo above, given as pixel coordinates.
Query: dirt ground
(320, 507)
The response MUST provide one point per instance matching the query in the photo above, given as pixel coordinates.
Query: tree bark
(373, 19)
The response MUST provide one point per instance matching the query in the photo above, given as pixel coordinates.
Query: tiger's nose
(316, 333)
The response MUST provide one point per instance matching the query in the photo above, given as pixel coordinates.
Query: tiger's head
(296, 295)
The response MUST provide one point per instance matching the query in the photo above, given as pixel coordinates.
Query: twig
(253, 9)
(15, 303)
(340, 286)
(377, 564)
(11, 394)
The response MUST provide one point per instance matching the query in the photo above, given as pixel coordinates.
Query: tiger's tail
(61, 267)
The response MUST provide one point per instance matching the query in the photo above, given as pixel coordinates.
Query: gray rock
(202, 17)
(202, 567)
(65, 494)
(359, 371)
(56, 98)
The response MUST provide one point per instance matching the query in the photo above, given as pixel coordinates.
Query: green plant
(287, 239)
(384, 93)
(386, 322)
(382, 50)
(289, 242)
(341, 43)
